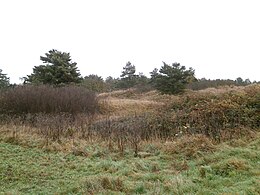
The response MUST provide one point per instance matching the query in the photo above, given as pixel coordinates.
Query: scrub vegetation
(200, 142)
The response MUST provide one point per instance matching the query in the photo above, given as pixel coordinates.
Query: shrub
(45, 99)
(213, 114)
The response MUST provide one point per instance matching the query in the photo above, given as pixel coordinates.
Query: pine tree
(58, 70)
(4, 80)
(128, 76)
(172, 79)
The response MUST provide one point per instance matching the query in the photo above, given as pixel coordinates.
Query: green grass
(229, 170)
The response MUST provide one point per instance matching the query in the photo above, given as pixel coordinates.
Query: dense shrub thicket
(217, 115)
(45, 99)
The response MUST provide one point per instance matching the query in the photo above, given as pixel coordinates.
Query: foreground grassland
(230, 168)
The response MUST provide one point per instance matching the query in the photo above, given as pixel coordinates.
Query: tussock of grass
(190, 146)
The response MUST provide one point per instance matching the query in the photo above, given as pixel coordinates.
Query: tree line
(59, 70)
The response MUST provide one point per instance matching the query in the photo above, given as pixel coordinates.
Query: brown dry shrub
(214, 114)
(190, 146)
(229, 134)
(54, 111)
(46, 99)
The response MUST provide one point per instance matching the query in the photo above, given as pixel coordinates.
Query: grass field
(231, 168)
(188, 164)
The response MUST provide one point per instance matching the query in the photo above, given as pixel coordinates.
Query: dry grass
(222, 89)
(29, 137)
(153, 96)
(190, 146)
(131, 102)
(122, 107)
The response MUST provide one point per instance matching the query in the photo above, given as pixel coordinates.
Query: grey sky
(218, 38)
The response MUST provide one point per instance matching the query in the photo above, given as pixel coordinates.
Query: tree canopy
(172, 79)
(94, 83)
(4, 80)
(128, 76)
(128, 70)
(58, 69)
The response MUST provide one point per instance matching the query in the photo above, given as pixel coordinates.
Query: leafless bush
(47, 99)
(130, 130)
(54, 111)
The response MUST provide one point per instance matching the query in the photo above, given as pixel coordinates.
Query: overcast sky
(218, 38)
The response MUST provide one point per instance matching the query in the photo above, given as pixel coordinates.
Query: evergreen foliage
(4, 80)
(172, 79)
(112, 83)
(58, 70)
(128, 76)
(94, 83)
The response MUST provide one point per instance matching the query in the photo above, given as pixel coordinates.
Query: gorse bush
(45, 99)
(216, 115)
